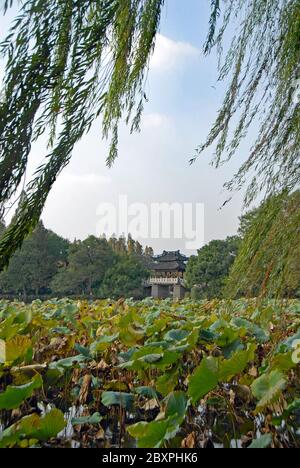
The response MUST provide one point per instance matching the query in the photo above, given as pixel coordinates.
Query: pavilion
(167, 276)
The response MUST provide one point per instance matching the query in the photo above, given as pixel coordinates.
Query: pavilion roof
(168, 266)
(169, 261)
(171, 257)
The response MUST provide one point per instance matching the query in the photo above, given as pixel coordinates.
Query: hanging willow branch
(268, 263)
(67, 62)
(263, 63)
(70, 61)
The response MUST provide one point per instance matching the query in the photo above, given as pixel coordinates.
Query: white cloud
(169, 54)
(154, 120)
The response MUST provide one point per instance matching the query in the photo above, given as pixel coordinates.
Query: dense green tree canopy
(208, 270)
(32, 268)
(48, 265)
(124, 279)
(88, 262)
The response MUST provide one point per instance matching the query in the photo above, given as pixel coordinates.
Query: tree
(60, 77)
(32, 269)
(58, 247)
(130, 245)
(2, 227)
(139, 249)
(263, 66)
(269, 259)
(121, 246)
(112, 242)
(209, 269)
(67, 63)
(49, 264)
(88, 262)
(149, 251)
(125, 279)
(246, 222)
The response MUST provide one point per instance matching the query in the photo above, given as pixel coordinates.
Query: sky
(153, 166)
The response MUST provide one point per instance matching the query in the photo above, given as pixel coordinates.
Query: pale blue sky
(153, 165)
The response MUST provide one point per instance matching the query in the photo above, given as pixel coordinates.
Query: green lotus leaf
(14, 396)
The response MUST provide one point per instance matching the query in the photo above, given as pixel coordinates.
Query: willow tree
(70, 61)
(263, 66)
(269, 260)
(67, 62)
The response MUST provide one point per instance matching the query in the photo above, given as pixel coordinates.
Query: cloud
(169, 54)
(155, 120)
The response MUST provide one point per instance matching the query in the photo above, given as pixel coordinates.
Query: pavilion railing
(164, 281)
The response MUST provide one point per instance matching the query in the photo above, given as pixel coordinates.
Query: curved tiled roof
(171, 257)
(168, 266)
(169, 261)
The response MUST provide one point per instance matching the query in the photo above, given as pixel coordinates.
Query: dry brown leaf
(189, 441)
(253, 372)
(85, 388)
(100, 434)
(16, 413)
(150, 405)
(102, 365)
(76, 376)
(120, 303)
(232, 397)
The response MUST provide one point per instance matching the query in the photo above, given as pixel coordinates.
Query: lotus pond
(150, 374)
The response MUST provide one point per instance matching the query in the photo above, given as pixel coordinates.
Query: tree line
(49, 265)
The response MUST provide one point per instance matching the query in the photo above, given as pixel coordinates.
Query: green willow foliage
(269, 259)
(67, 62)
(263, 64)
